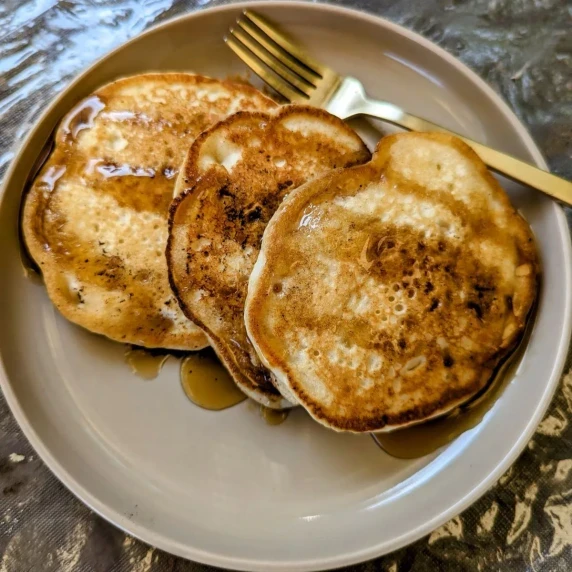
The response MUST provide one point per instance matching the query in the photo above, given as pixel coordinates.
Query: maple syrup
(273, 416)
(82, 116)
(144, 363)
(30, 269)
(206, 382)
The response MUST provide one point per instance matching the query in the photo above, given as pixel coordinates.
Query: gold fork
(299, 78)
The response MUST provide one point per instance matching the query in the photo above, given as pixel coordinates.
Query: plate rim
(162, 542)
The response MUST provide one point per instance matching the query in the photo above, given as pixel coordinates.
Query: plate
(224, 488)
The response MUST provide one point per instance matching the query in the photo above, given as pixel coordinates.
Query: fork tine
(277, 83)
(279, 53)
(276, 66)
(286, 44)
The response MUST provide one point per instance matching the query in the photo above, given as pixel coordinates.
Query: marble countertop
(523, 48)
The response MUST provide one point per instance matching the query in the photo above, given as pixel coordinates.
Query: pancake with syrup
(234, 178)
(95, 218)
(386, 294)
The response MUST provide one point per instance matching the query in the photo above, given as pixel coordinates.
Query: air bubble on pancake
(413, 364)
(400, 309)
(279, 162)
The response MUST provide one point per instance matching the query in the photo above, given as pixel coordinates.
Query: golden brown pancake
(387, 294)
(234, 178)
(95, 219)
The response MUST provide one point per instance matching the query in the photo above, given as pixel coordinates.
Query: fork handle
(506, 165)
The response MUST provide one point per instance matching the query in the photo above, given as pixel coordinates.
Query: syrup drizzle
(207, 383)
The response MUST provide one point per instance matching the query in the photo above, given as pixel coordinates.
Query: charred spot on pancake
(254, 214)
(225, 192)
(434, 305)
(477, 309)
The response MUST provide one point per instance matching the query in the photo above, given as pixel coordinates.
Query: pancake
(95, 218)
(387, 294)
(234, 178)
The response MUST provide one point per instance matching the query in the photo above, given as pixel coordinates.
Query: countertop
(523, 48)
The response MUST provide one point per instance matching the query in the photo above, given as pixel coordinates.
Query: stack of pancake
(178, 211)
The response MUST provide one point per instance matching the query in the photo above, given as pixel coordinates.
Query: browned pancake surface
(95, 219)
(387, 294)
(234, 179)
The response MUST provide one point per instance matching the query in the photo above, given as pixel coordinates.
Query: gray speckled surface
(521, 47)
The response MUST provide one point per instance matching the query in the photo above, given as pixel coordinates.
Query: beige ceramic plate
(224, 488)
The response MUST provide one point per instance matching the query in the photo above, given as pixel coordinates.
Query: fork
(299, 78)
